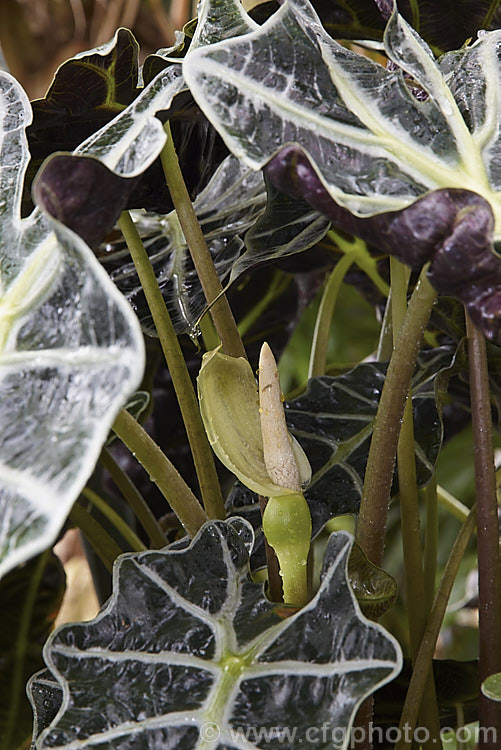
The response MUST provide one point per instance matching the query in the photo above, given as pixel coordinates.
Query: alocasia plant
(373, 146)
(189, 653)
(71, 352)
(333, 421)
(245, 224)
(444, 27)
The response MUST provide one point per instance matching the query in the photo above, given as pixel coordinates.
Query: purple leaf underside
(451, 229)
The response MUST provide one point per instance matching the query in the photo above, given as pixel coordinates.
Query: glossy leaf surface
(451, 230)
(86, 93)
(242, 229)
(46, 696)
(101, 103)
(219, 20)
(188, 652)
(216, 21)
(110, 112)
(70, 353)
(108, 75)
(367, 145)
(226, 209)
(374, 146)
(134, 138)
(287, 226)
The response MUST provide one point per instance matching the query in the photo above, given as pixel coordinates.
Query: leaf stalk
(409, 515)
(489, 570)
(101, 542)
(429, 493)
(220, 310)
(134, 500)
(423, 661)
(320, 342)
(162, 472)
(373, 513)
(115, 519)
(200, 448)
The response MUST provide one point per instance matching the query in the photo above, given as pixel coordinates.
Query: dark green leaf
(445, 25)
(45, 695)
(369, 146)
(188, 644)
(87, 92)
(287, 226)
(103, 80)
(226, 209)
(448, 316)
(333, 422)
(130, 143)
(31, 596)
(373, 144)
(94, 88)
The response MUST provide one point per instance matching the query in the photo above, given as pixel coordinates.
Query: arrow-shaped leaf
(189, 654)
(375, 147)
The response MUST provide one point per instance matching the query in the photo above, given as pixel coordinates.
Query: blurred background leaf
(31, 596)
(36, 36)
